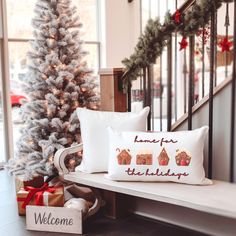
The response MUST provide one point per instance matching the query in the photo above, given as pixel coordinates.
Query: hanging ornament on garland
(177, 16)
(183, 44)
(225, 44)
(186, 23)
(203, 34)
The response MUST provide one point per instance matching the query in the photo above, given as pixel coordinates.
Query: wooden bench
(218, 199)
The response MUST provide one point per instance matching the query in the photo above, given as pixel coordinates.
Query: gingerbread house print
(182, 158)
(144, 158)
(163, 158)
(124, 157)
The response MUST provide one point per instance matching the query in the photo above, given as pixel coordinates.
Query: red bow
(38, 193)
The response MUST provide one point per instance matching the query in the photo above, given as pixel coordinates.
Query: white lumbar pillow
(94, 133)
(162, 156)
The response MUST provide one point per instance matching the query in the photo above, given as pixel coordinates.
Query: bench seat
(218, 199)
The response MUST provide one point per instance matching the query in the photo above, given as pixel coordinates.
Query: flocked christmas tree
(58, 82)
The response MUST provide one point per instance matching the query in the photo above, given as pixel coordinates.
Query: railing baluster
(169, 84)
(216, 49)
(160, 77)
(149, 95)
(232, 128)
(161, 90)
(185, 81)
(176, 44)
(140, 93)
(211, 85)
(129, 97)
(227, 34)
(203, 62)
(191, 80)
(144, 87)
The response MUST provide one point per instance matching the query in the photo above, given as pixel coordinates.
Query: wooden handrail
(186, 5)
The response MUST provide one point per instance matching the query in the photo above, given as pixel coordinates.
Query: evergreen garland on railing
(156, 35)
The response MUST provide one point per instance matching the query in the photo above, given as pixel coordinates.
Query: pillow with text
(157, 156)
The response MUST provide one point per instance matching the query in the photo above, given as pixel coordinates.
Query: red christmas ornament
(183, 44)
(203, 34)
(177, 16)
(225, 45)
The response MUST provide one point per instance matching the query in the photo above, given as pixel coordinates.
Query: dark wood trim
(186, 5)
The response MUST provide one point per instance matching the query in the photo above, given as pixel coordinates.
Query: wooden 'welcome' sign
(53, 219)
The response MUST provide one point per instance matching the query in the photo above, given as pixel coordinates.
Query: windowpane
(92, 57)
(87, 11)
(18, 68)
(19, 16)
(154, 8)
(145, 13)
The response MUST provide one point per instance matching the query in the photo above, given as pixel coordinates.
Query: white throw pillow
(153, 156)
(93, 125)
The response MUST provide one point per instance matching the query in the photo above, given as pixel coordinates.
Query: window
(20, 31)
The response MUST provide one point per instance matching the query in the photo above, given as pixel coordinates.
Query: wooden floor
(13, 225)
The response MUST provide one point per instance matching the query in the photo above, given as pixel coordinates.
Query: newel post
(112, 96)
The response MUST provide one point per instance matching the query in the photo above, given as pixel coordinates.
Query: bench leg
(116, 204)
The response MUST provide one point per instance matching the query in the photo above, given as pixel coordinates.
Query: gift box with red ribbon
(43, 196)
(36, 182)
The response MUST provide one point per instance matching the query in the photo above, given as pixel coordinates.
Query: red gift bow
(38, 193)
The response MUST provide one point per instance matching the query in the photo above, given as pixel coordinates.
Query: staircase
(195, 86)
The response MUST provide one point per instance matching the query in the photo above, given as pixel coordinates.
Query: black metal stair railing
(178, 81)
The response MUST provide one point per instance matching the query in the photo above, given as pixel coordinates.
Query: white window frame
(7, 119)
(5, 76)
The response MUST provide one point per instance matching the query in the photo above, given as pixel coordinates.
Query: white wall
(221, 19)
(221, 132)
(121, 29)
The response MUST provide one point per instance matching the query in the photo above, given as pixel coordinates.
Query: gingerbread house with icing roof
(144, 157)
(182, 158)
(124, 157)
(163, 158)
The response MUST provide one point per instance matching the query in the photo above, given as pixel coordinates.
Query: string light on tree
(59, 73)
